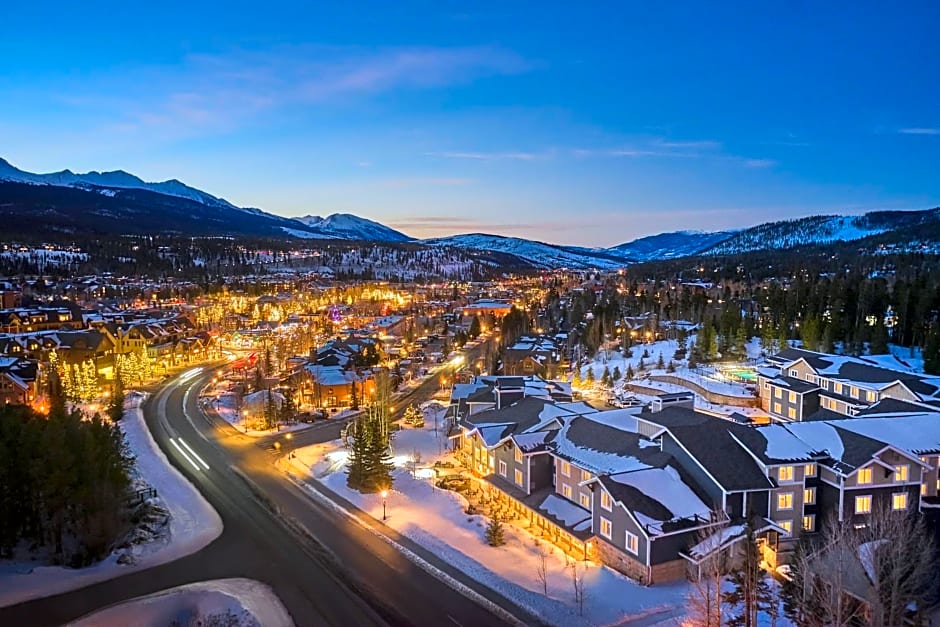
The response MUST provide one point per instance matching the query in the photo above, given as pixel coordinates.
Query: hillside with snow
(533, 253)
(349, 227)
(670, 245)
(824, 230)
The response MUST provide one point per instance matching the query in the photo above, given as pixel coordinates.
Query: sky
(575, 123)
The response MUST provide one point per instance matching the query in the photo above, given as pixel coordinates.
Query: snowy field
(226, 409)
(244, 602)
(193, 524)
(436, 520)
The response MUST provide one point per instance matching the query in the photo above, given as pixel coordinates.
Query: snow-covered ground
(193, 524)
(238, 602)
(225, 406)
(436, 520)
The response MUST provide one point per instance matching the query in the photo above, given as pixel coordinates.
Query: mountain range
(118, 203)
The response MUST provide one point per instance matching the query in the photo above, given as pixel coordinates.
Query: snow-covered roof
(564, 510)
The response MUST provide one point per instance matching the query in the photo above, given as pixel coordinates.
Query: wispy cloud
(919, 131)
(489, 156)
(207, 93)
(759, 163)
(418, 181)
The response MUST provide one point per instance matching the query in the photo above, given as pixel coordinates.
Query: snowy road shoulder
(243, 602)
(193, 525)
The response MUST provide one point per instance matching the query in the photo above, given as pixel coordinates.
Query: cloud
(759, 163)
(489, 156)
(207, 93)
(403, 183)
(919, 131)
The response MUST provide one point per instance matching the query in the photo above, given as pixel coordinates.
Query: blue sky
(549, 121)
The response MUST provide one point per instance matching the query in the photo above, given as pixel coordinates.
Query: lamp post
(384, 504)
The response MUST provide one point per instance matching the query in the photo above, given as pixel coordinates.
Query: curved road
(358, 580)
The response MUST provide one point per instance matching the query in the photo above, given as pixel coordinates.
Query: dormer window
(864, 476)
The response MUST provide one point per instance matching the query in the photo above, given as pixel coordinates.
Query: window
(585, 475)
(633, 543)
(517, 454)
(795, 373)
(901, 472)
(606, 528)
(791, 413)
(778, 392)
(785, 473)
(863, 504)
(809, 523)
(809, 496)
(787, 526)
(585, 501)
(778, 408)
(837, 387)
(785, 500)
(899, 501)
(566, 491)
(566, 469)
(864, 476)
(872, 396)
(923, 489)
(502, 468)
(809, 470)
(518, 477)
(605, 501)
(854, 392)
(492, 463)
(792, 397)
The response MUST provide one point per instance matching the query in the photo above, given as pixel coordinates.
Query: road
(326, 570)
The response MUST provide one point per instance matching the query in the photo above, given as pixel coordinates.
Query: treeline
(63, 482)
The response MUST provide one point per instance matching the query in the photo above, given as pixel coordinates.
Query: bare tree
(898, 552)
(541, 567)
(577, 582)
(704, 600)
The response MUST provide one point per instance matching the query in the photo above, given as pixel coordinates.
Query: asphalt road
(326, 570)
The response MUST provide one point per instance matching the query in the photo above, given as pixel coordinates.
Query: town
(631, 448)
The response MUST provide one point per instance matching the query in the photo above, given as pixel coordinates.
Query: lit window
(585, 501)
(837, 388)
(518, 477)
(517, 455)
(923, 489)
(778, 393)
(872, 396)
(778, 408)
(899, 501)
(585, 475)
(502, 468)
(785, 473)
(863, 504)
(633, 543)
(809, 496)
(606, 528)
(809, 523)
(566, 491)
(809, 470)
(566, 469)
(606, 502)
(791, 413)
(901, 472)
(787, 526)
(864, 476)
(854, 392)
(785, 500)
(792, 397)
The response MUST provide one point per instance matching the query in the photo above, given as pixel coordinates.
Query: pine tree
(590, 375)
(116, 404)
(749, 587)
(783, 336)
(474, 331)
(616, 374)
(605, 377)
(740, 342)
(671, 366)
(576, 378)
(932, 351)
(630, 373)
(495, 534)
(641, 365)
(660, 363)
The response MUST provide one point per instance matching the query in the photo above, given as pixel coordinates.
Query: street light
(384, 504)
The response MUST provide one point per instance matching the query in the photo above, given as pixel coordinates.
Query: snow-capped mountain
(824, 230)
(109, 181)
(348, 226)
(670, 245)
(533, 253)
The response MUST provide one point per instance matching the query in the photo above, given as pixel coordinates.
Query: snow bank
(253, 603)
(193, 525)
